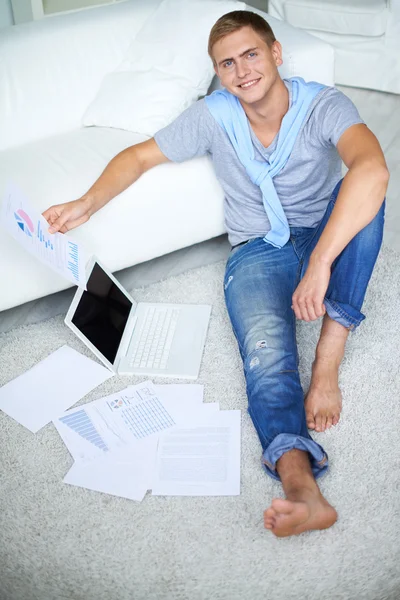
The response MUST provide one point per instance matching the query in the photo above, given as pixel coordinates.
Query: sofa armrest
(51, 69)
(303, 54)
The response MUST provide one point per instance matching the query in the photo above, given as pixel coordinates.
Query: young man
(304, 241)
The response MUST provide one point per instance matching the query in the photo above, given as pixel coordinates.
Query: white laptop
(165, 340)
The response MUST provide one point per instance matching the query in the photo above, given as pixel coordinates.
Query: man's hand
(63, 217)
(309, 295)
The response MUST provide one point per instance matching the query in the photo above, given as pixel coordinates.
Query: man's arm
(119, 174)
(360, 197)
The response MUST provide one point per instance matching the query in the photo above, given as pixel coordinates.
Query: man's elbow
(375, 169)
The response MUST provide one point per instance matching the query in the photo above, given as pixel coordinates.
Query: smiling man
(304, 241)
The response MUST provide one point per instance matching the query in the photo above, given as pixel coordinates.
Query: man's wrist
(89, 202)
(319, 259)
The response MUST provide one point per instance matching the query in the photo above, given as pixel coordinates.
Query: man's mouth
(249, 84)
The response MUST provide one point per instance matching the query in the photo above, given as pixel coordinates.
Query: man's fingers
(61, 224)
(300, 309)
(307, 310)
(75, 223)
(320, 309)
(310, 310)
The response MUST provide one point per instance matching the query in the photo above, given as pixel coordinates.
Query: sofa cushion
(347, 17)
(169, 207)
(165, 70)
(51, 69)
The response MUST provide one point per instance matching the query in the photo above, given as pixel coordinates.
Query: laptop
(141, 338)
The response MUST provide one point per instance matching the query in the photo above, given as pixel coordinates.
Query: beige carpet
(61, 542)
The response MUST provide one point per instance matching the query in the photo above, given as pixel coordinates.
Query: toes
(269, 518)
(335, 419)
(319, 422)
(323, 422)
(329, 421)
(310, 420)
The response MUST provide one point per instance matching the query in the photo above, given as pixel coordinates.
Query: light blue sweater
(230, 115)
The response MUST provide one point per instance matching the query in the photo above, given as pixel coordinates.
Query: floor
(381, 111)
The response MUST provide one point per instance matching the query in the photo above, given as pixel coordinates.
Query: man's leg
(351, 272)
(323, 402)
(259, 283)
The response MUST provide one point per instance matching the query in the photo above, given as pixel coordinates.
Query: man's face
(245, 64)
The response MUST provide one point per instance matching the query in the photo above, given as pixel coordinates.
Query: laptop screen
(102, 313)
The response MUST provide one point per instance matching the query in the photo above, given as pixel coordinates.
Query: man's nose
(242, 69)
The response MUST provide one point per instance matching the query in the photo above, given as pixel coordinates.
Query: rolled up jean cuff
(289, 441)
(337, 313)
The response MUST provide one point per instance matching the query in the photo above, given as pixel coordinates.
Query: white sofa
(50, 71)
(364, 33)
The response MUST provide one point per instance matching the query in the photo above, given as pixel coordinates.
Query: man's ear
(276, 50)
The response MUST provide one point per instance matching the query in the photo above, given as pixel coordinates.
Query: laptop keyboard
(151, 349)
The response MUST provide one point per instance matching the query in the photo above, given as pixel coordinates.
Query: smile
(249, 84)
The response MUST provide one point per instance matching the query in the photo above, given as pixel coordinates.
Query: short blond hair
(234, 21)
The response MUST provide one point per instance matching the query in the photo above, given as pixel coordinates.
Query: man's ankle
(294, 469)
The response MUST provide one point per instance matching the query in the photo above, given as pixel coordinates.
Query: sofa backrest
(50, 70)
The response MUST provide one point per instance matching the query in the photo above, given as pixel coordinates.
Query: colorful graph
(42, 238)
(24, 222)
(80, 422)
(73, 259)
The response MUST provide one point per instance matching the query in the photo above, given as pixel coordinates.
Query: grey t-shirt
(304, 185)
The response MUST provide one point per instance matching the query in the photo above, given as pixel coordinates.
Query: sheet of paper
(128, 475)
(186, 405)
(200, 461)
(114, 422)
(181, 392)
(28, 227)
(50, 387)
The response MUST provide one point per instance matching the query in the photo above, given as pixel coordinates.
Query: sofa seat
(50, 171)
(355, 17)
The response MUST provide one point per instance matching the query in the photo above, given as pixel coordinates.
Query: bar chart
(73, 259)
(81, 423)
(43, 239)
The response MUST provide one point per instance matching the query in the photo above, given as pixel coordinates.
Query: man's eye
(251, 54)
(228, 63)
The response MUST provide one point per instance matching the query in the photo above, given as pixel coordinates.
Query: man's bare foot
(323, 402)
(302, 513)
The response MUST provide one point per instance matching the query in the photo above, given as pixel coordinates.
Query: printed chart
(80, 422)
(30, 229)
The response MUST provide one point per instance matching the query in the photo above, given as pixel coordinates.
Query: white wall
(6, 16)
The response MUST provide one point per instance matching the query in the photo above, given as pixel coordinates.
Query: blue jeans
(259, 283)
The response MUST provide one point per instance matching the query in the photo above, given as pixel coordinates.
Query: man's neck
(269, 112)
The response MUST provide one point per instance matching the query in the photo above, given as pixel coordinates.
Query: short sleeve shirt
(305, 184)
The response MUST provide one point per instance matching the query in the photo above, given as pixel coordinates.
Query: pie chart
(24, 222)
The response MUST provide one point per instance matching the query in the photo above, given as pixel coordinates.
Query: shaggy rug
(68, 543)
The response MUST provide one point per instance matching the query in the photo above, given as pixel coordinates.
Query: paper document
(50, 387)
(113, 422)
(200, 460)
(114, 441)
(181, 393)
(30, 229)
(128, 475)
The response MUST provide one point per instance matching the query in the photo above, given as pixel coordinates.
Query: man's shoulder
(330, 96)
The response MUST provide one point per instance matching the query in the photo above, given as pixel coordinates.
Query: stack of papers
(153, 437)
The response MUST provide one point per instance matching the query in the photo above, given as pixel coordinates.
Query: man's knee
(264, 358)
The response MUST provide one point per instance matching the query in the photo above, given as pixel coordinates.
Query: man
(303, 246)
